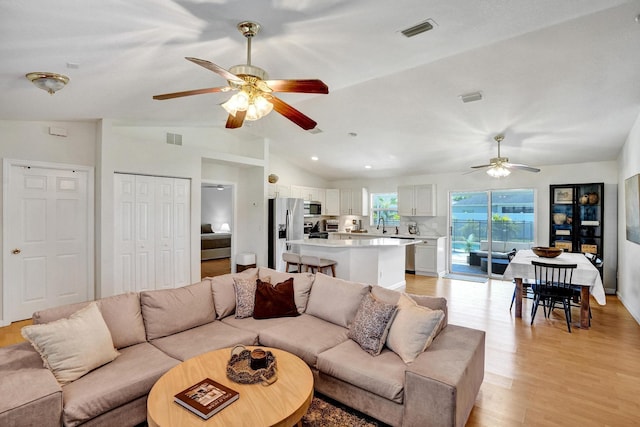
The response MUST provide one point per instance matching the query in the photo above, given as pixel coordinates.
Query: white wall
(628, 265)
(291, 174)
(606, 172)
(31, 141)
(143, 150)
(217, 207)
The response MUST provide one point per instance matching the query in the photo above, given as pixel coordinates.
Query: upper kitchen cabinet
(278, 190)
(331, 205)
(417, 200)
(308, 193)
(354, 201)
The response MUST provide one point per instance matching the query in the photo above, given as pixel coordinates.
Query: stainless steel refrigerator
(286, 222)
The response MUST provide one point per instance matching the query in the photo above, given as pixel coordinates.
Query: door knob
(16, 251)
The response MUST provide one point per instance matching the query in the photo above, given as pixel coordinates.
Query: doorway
(486, 226)
(216, 229)
(48, 236)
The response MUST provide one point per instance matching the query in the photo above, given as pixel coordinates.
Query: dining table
(586, 275)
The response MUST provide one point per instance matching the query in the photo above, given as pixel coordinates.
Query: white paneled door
(152, 240)
(48, 238)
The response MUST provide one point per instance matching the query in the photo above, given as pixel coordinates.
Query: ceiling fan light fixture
(498, 171)
(51, 82)
(258, 108)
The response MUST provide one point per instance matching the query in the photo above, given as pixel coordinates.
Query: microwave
(312, 208)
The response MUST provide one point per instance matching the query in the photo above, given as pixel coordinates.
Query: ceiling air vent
(418, 29)
(174, 138)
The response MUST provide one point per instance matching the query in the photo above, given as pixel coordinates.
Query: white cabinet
(430, 257)
(417, 200)
(152, 232)
(354, 202)
(278, 191)
(331, 205)
(310, 194)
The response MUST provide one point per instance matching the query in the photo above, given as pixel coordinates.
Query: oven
(332, 225)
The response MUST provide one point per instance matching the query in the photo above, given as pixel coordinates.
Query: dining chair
(527, 292)
(553, 284)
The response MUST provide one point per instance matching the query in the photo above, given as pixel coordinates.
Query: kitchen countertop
(375, 242)
(388, 234)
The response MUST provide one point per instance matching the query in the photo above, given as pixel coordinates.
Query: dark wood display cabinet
(577, 218)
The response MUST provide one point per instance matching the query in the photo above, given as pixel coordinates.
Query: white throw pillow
(73, 346)
(413, 329)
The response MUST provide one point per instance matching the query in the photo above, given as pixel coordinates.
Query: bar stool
(317, 263)
(291, 259)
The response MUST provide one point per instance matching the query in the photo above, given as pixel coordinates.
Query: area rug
(326, 412)
(466, 278)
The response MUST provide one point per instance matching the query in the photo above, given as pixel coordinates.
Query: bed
(215, 245)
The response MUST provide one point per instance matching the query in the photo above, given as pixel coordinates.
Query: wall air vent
(419, 28)
(174, 138)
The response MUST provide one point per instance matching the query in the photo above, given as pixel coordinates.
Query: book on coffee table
(206, 398)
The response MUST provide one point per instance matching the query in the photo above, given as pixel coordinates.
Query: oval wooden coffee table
(283, 403)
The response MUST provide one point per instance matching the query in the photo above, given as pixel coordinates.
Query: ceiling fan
(500, 167)
(254, 98)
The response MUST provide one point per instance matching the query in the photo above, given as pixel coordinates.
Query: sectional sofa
(156, 330)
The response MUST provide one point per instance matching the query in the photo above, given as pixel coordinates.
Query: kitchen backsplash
(427, 226)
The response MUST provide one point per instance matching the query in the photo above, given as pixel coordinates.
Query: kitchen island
(378, 261)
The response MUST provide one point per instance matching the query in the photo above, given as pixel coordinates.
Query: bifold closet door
(152, 232)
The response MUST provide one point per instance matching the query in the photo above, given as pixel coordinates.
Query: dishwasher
(410, 258)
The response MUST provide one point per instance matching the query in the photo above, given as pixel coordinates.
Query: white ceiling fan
(499, 167)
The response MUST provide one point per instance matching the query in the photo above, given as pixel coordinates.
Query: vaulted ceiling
(559, 78)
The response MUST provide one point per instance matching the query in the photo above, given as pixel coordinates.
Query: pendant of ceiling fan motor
(249, 73)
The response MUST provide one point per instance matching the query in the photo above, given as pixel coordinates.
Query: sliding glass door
(486, 226)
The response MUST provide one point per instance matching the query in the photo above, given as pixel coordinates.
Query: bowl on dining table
(546, 252)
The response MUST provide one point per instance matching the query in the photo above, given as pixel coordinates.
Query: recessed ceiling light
(367, 166)
(314, 158)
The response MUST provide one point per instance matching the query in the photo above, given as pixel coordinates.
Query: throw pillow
(413, 328)
(245, 296)
(205, 228)
(275, 300)
(371, 324)
(73, 346)
(224, 294)
(301, 284)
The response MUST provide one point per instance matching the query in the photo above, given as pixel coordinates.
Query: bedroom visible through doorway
(216, 229)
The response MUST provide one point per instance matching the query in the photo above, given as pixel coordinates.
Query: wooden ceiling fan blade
(292, 114)
(481, 166)
(234, 122)
(299, 86)
(521, 167)
(192, 92)
(215, 68)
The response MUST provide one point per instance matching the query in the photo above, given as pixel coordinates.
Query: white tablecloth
(585, 274)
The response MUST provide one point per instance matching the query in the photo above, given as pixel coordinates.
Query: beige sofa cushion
(335, 300)
(72, 347)
(122, 381)
(168, 311)
(413, 328)
(382, 375)
(224, 296)
(391, 297)
(121, 313)
(302, 283)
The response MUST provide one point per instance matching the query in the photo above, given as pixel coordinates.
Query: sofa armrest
(441, 385)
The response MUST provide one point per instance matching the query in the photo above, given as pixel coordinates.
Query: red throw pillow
(274, 300)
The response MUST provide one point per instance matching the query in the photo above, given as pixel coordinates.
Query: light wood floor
(538, 375)
(215, 267)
